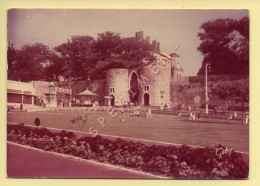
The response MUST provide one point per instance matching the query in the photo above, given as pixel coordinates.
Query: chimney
(139, 35)
(158, 46)
(147, 38)
(154, 45)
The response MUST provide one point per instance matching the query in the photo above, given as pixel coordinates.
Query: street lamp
(70, 91)
(207, 97)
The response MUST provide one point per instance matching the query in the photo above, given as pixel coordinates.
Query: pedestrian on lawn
(189, 108)
(149, 113)
(193, 116)
(123, 114)
(235, 115)
(179, 116)
(247, 119)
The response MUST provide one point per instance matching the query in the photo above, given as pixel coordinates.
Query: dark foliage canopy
(81, 57)
(225, 46)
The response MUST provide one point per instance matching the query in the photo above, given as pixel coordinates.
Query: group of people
(234, 117)
(192, 115)
(136, 113)
(165, 106)
(148, 113)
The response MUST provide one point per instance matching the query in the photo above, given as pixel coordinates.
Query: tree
(76, 56)
(56, 68)
(237, 90)
(117, 52)
(83, 57)
(225, 46)
(30, 62)
(11, 57)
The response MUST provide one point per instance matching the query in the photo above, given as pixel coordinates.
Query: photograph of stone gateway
(130, 93)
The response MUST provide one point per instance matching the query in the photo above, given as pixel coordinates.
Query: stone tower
(117, 85)
(157, 92)
(122, 84)
(176, 69)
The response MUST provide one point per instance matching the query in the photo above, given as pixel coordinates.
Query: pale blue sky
(171, 27)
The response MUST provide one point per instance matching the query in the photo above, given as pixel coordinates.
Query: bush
(177, 162)
(237, 108)
(37, 122)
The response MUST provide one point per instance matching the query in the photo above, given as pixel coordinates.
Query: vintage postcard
(128, 93)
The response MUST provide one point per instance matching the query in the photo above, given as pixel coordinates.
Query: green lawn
(160, 128)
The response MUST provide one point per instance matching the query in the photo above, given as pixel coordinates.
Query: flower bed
(177, 162)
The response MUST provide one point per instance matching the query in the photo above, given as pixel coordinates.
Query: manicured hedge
(177, 162)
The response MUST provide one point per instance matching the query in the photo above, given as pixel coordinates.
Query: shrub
(237, 108)
(177, 162)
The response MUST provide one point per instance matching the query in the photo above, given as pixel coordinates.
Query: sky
(171, 28)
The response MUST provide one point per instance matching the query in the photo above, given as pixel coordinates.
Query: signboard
(14, 91)
(63, 90)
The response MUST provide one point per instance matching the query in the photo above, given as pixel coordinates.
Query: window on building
(14, 98)
(111, 90)
(27, 99)
(146, 88)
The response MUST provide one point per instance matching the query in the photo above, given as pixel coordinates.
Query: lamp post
(70, 91)
(206, 85)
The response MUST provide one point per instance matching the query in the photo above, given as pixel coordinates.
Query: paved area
(28, 163)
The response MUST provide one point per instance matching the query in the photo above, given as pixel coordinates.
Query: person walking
(193, 116)
(235, 115)
(149, 113)
(179, 115)
(189, 108)
(123, 115)
(231, 117)
(247, 119)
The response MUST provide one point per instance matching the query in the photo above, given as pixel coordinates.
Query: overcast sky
(171, 27)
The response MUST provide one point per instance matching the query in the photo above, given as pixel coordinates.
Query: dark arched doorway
(112, 100)
(146, 99)
(134, 88)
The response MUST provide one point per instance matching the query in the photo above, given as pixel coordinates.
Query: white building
(20, 93)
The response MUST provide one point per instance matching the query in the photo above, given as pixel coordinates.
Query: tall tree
(77, 56)
(11, 59)
(30, 62)
(83, 57)
(117, 52)
(225, 46)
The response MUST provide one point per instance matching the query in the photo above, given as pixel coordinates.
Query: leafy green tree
(108, 45)
(11, 59)
(83, 57)
(76, 57)
(57, 68)
(30, 62)
(225, 46)
(117, 52)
